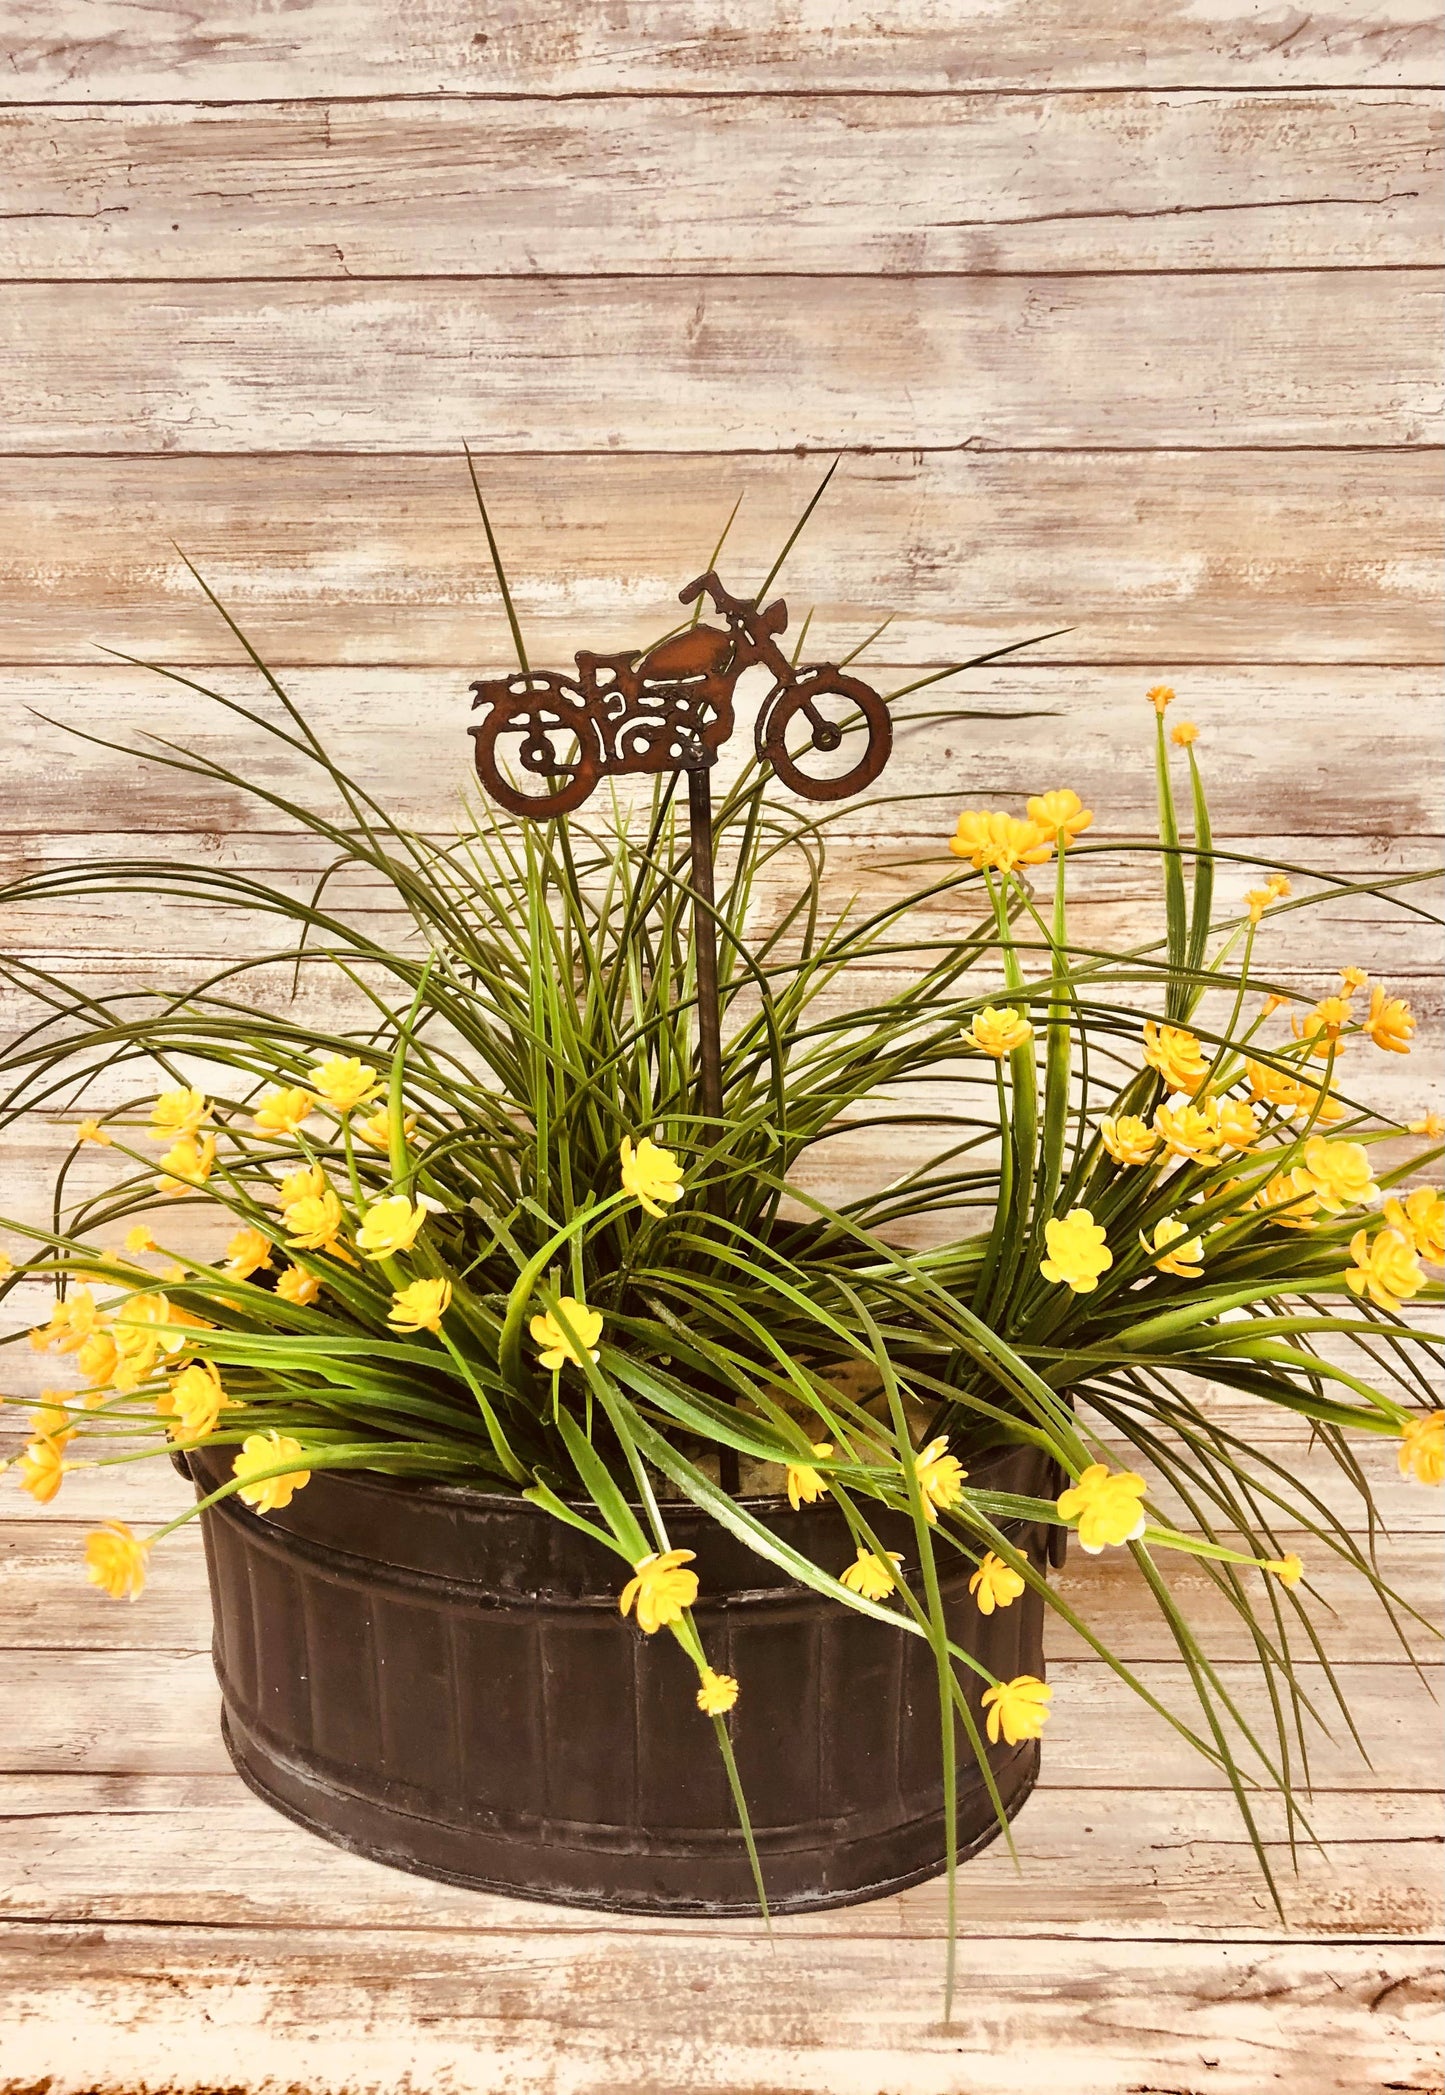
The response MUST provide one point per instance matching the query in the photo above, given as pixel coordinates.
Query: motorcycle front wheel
(786, 701)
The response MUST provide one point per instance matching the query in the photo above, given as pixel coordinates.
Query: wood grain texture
(1331, 767)
(176, 1850)
(86, 50)
(1176, 563)
(698, 364)
(96, 2012)
(900, 184)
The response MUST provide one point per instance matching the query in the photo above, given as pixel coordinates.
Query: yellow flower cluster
(993, 837)
(344, 1082)
(870, 1575)
(1106, 1505)
(264, 1451)
(650, 1174)
(1018, 1708)
(1176, 1054)
(995, 1584)
(1077, 1251)
(1422, 1448)
(998, 1033)
(556, 1348)
(420, 1305)
(940, 1478)
(661, 1589)
(806, 1484)
(193, 1401)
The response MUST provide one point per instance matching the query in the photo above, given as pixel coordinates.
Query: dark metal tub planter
(440, 1678)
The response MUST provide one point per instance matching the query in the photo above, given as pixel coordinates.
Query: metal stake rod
(704, 939)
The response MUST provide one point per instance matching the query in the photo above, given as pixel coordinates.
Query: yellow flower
(194, 1401)
(313, 1221)
(1235, 1125)
(309, 1183)
(1390, 1022)
(7, 1266)
(556, 1347)
(661, 1589)
(1187, 1131)
(650, 1174)
(1018, 1708)
(1293, 1194)
(1128, 1139)
(145, 1328)
(247, 1252)
(139, 1239)
(1160, 696)
(1107, 1505)
(98, 1359)
(871, 1575)
(376, 1129)
(1176, 1054)
(1289, 1570)
(997, 839)
(343, 1082)
(262, 1451)
(1320, 1106)
(995, 1584)
(940, 1477)
(1340, 1173)
(1354, 979)
(998, 1033)
(1273, 1002)
(1077, 1251)
(1187, 1261)
(804, 1482)
(42, 1470)
(1061, 816)
(1278, 884)
(282, 1111)
(1185, 735)
(92, 1131)
(390, 1226)
(115, 1560)
(1422, 1448)
(71, 1323)
(1323, 1026)
(420, 1306)
(1257, 901)
(52, 1421)
(717, 1692)
(1386, 1269)
(1431, 1125)
(1274, 1087)
(179, 1113)
(1421, 1218)
(294, 1284)
(188, 1163)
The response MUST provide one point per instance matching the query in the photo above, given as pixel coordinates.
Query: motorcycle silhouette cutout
(669, 709)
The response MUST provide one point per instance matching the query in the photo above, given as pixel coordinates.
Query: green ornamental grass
(476, 1229)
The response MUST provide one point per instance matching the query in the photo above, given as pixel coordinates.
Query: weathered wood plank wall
(1126, 319)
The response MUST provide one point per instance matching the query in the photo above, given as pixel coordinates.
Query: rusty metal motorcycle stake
(671, 709)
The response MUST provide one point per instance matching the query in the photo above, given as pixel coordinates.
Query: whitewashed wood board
(707, 363)
(88, 50)
(911, 185)
(1179, 563)
(176, 1850)
(1332, 767)
(97, 2011)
